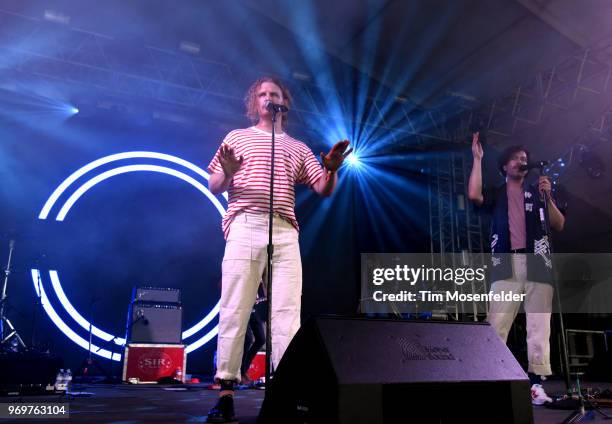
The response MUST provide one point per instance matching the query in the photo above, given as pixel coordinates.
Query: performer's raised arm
(475, 182)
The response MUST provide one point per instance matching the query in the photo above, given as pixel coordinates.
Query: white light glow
(135, 168)
(44, 212)
(55, 281)
(201, 342)
(352, 159)
(44, 301)
(208, 318)
(75, 314)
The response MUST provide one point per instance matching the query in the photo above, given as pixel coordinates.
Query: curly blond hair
(250, 99)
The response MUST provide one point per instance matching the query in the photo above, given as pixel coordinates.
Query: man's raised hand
(477, 151)
(333, 160)
(229, 162)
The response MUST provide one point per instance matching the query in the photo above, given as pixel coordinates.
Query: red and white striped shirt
(249, 189)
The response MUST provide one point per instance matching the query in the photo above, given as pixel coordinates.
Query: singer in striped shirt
(242, 167)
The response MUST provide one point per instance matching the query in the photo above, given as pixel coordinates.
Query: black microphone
(275, 108)
(531, 165)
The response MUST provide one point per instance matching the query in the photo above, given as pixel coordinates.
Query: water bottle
(60, 381)
(178, 374)
(14, 345)
(68, 379)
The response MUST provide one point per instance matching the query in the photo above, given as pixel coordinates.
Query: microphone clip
(532, 165)
(276, 108)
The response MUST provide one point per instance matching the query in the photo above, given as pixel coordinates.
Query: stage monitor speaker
(151, 322)
(341, 370)
(156, 294)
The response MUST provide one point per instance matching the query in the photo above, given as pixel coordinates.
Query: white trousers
(538, 307)
(244, 266)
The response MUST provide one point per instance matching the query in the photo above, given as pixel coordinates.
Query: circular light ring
(66, 208)
(59, 323)
(202, 341)
(59, 291)
(64, 328)
(203, 323)
(61, 295)
(61, 215)
(44, 212)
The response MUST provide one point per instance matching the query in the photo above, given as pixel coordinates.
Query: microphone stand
(270, 253)
(7, 330)
(544, 222)
(578, 414)
(38, 304)
(90, 362)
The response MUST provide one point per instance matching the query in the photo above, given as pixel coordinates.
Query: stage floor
(190, 403)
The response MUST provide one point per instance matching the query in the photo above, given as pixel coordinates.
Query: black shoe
(223, 411)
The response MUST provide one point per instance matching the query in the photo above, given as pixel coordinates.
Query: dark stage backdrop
(137, 90)
(146, 228)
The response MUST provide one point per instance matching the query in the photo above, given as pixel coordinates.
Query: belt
(264, 215)
(523, 250)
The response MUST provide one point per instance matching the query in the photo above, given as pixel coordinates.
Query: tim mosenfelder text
(447, 296)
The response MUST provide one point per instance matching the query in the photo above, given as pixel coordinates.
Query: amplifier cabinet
(156, 294)
(155, 322)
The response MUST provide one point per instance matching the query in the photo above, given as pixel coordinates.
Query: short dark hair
(507, 154)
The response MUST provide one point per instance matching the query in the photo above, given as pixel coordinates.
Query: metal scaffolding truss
(557, 88)
(601, 127)
(584, 150)
(58, 52)
(455, 230)
(61, 53)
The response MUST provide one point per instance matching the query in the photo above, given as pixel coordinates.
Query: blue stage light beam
(34, 99)
(379, 182)
(332, 125)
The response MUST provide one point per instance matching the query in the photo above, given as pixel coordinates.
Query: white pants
(538, 307)
(244, 266)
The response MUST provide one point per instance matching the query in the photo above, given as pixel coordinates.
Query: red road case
(257, 369)
(150, 362)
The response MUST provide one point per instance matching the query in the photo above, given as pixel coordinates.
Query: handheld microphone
(276, 108)
(531, 165)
